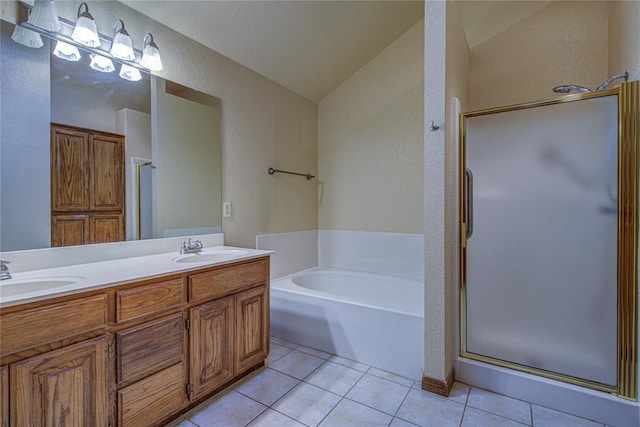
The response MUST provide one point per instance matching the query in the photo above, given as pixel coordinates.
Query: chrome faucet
(188, 247)
(4, 270)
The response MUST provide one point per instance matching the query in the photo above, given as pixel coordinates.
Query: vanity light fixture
(101, 63)
(130, 73)
(45, 16)
(85, 31)
(27, 37)
(121, 47)
(150, 54)
(66, 51)
(41, 19)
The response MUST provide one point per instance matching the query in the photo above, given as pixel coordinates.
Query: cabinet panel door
(69, 159)
(252, 327)
(149, 348)
(4, 396)
(106, 228)
(69, 230)
(66, 387)
(107, 173)
(211, 345)
(151, 400)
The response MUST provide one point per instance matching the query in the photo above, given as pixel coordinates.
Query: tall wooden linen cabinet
(87, 186)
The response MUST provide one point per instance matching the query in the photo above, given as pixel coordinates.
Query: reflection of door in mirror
(87, 186)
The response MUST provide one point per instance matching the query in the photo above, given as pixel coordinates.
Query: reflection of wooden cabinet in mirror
(87, 186)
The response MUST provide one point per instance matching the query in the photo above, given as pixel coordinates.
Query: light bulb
(66, 51)
(150, 54)
(130, 73)
(26, 37)
(44, 15)
(121, 46)
(85, 31)
(102, 64)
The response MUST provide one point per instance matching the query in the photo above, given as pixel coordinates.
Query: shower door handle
(469, 202)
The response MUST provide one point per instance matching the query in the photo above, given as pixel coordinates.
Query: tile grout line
(402, 403)
(260, 413)
(464, 411)
(531, 412)
(499, 416)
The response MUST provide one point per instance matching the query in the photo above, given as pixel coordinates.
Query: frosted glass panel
(542, 261)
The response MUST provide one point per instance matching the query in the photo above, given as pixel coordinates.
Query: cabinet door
(106, 228)
(211, 345)
(107, 173)
(252, 327)
(66, 387)
(69, 160)
(4, 396)
(69, 230)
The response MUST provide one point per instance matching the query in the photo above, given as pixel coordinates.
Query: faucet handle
(3, 264)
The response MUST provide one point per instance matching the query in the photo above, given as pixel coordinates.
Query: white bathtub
(371, 318)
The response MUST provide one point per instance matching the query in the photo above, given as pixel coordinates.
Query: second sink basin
(23, 286)
(210, 255)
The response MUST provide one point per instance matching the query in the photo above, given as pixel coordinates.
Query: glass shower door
(540, 286)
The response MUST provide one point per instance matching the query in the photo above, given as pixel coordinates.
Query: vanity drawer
(147, 349)
(227, 280)
(145, 300)
(153, 399)
(30, 328)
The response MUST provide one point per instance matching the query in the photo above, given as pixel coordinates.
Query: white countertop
(43, 284)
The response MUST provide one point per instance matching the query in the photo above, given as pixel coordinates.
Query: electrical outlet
(226, 209)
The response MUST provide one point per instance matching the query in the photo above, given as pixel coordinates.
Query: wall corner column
(438, 374)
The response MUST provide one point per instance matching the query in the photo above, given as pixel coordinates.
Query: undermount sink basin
(23, 286)
(212, 255)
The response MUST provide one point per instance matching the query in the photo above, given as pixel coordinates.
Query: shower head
(604, 85)
(571, 88)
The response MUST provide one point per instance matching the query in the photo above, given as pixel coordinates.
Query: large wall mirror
(171, 157)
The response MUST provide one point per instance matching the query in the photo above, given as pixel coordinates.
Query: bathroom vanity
(134, 352)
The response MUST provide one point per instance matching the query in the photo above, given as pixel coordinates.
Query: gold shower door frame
(628, 174)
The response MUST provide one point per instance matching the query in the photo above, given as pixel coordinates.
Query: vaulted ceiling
(312, 46)
(309, 47)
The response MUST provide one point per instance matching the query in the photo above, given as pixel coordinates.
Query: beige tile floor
(302, 386)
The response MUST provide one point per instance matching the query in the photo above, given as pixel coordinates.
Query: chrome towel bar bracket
(306, 175)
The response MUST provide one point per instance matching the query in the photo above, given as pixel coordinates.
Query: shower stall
(549, 236)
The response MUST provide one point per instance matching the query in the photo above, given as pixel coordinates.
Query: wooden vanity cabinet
(136, 354)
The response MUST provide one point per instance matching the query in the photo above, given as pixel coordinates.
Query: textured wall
(624, 38)
(25, 220)
(564, 43)
(370, 143)
(263, 124)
